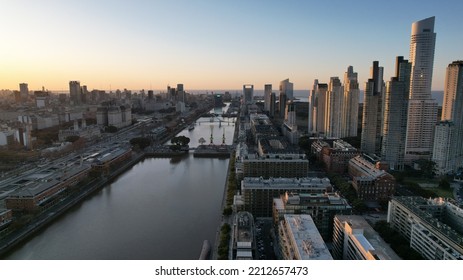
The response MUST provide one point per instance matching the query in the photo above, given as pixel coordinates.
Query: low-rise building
(243, 237)
(433, 226)
(370, 182)
(322, 207)
(39, 192)
(355, 239)
(6, 216)
(258, 193)
(299, 239)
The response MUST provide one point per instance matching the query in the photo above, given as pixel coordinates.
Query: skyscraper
(23, 92)
(372, 111)
(395, 116)
(319, 101)
(248, 92)
(333, 114)
(351, 103)
(286, 87)
(452, 122)
(75, 92)
(267, 94)
(422, 109)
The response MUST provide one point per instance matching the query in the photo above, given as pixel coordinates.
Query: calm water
(159, 209)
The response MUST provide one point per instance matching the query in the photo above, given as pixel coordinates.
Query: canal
(161, 208)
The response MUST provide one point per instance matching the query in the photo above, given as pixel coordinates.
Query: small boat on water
(191, 127)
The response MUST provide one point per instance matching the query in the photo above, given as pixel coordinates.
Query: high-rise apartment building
(333, 114)
(372, 111)
(267, 97)
(422, 108)
(318, 100)
(248, 92)
(286, 87)
(450, 158)
(395, 116)
(75, 92)
(351, 103)
(442, 153)
(23, 91)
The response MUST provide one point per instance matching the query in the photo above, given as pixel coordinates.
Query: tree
(201, 141)
(427, 167)
(180, 140)
(444, 184)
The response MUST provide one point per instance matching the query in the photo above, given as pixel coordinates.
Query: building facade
(429, 225)
(351, 101)
(355, 239)
(372, 111)
(258, 193)
(370, 182)
(422, 108)
(395, 116)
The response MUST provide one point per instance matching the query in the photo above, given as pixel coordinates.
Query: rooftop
(308, 241)
(368, 238)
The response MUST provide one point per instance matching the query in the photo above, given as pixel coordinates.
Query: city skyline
(212, 45)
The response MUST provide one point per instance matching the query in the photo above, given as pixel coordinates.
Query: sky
(213, 44)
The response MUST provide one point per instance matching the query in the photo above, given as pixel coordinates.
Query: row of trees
(224, 242)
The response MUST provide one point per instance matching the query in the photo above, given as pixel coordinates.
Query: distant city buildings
(422, 108)
(114, 115)
(75, 92)
(267, 97)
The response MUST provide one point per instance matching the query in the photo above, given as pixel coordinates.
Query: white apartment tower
(395, 116)
(452, 111)
(267, 97)
(351, 103)
(333, 113)
(372, 112)
(422, 109)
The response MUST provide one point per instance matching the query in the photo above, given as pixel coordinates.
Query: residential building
(433, 226)
(370, 182)
(75, 92)
(450, 158)
(258, 193)
(299, 239)
(336, 159)
(334, 108)
(243, 237)
(286, 87)
(372, 111)
(319, 99)
(350, 104)
(355, 239)
(442, 153)
(322, 207)
(422, 108)
(395, 116)
(267, 97)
